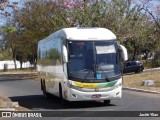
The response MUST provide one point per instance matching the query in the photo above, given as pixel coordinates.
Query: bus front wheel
(60, 94)
(107, 102)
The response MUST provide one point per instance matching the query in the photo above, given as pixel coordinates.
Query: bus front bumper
(76, 95)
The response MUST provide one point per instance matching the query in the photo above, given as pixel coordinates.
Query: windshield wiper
(89, 71)
(105, 75)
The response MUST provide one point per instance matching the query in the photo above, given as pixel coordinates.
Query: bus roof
(82, 34)
(88, 34)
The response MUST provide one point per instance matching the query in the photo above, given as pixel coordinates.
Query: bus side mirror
(65, 54)
(124, 53)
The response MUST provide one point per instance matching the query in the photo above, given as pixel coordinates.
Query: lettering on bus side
(88, 86)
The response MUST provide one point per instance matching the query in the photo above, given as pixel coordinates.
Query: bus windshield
(93, 61)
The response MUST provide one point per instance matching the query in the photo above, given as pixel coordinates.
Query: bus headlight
(73, 86)
(117, 85)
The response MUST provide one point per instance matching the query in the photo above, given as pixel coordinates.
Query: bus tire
(41, 85)
(61, 95)
(107, 102)
(45, 95)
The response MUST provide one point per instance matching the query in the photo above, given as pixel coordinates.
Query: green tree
(5, 55)
(39, 18)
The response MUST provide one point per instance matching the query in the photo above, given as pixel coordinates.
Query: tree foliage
(138, 31)
(5, 5)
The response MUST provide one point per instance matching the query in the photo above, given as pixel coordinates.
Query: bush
(157, 63)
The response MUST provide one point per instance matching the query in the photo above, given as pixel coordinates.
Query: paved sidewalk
(152, 69)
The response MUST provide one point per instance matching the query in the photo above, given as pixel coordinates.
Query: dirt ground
(136, 80)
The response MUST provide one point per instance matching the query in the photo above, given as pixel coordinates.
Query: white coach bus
(81, 64)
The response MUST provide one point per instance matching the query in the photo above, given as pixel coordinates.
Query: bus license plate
(96, 96)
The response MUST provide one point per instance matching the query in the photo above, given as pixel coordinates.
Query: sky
(2, 21)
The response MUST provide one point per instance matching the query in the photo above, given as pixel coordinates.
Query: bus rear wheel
(45, 94)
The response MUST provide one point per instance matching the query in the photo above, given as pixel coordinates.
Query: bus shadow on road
(37, 102)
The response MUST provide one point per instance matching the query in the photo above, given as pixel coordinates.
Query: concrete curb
(141, 90)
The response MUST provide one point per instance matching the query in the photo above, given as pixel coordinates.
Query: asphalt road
(29, 95)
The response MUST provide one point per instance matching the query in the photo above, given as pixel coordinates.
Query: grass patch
(21, 74)
(19, 71)
(135, 80)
